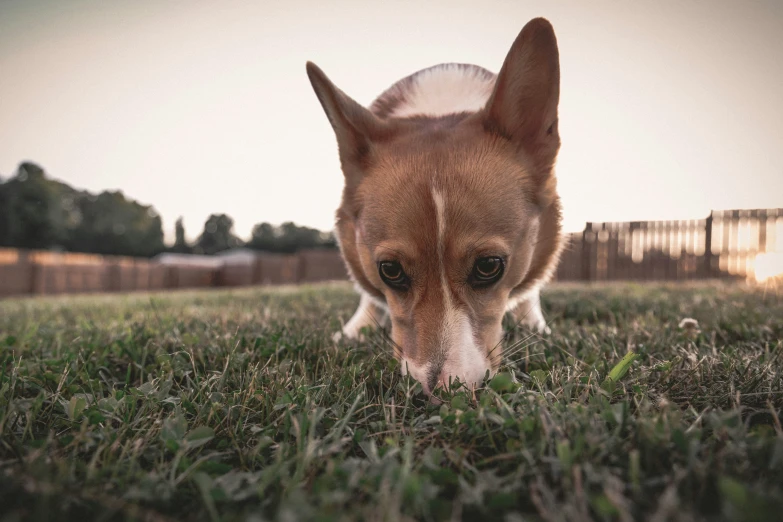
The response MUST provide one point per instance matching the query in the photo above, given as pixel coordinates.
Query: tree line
(37, 212)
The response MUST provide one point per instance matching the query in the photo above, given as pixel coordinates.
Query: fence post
(25, 256)
(258, 271)
(708, 246)
(301, 267)
(37, 274)
(113, 276)
(586, 253)
(172, 276)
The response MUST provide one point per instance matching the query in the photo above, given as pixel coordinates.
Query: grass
(236, 405)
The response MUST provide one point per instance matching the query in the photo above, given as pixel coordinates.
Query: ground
(229, 405)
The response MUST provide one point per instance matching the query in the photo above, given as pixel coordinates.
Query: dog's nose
(434, 377)
(470, 376)
(445, 380)
(435, 380)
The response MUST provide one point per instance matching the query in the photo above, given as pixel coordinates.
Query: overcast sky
(668, 108)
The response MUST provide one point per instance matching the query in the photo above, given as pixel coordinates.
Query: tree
(41, 213)
(28, 202)
(289, 237)
(217, 235)
(180, 243)
(4, 216)
(112, 224)
(263, 237)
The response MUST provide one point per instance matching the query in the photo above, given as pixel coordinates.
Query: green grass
(235, 405)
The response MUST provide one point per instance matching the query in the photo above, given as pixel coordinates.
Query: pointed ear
(523, 105)
(356, 127)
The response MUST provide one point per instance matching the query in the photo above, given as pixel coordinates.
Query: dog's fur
(449, 165)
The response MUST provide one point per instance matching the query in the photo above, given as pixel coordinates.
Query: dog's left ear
(523, 105)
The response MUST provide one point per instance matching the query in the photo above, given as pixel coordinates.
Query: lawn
(231, 405)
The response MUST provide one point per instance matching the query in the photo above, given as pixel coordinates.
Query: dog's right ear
(356, 127)
(524, 104)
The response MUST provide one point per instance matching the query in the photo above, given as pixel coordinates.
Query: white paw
(539, 326)
(347, 333)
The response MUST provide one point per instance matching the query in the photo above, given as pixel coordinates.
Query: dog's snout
(439, 375)
(458, 363)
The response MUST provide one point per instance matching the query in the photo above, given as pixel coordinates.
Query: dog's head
(447, 220)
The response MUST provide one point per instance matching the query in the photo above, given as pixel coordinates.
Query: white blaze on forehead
(440, 216)
(463, 355)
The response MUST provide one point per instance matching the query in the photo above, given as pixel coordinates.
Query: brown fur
(494, 169)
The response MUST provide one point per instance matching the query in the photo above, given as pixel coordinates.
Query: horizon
(667, 111)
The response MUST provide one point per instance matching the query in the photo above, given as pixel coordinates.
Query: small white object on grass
(691, 327)
(689, 324)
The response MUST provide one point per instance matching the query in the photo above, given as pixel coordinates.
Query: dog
(450, 215)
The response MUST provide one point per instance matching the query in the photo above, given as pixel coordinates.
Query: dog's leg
(368, 314)
(528, 312)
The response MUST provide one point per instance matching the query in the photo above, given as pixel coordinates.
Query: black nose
(432, 375)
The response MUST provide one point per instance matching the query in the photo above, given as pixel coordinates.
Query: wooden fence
(47, 273)
(723, 245)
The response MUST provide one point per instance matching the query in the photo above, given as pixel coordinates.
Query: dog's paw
(347, 334)
(538, 325)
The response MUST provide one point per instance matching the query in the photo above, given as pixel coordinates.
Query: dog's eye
(487, 270)
(393, 275)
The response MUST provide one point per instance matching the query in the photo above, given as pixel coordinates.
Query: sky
(668, 108)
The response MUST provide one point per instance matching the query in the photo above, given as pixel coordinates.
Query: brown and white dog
(450, 215)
